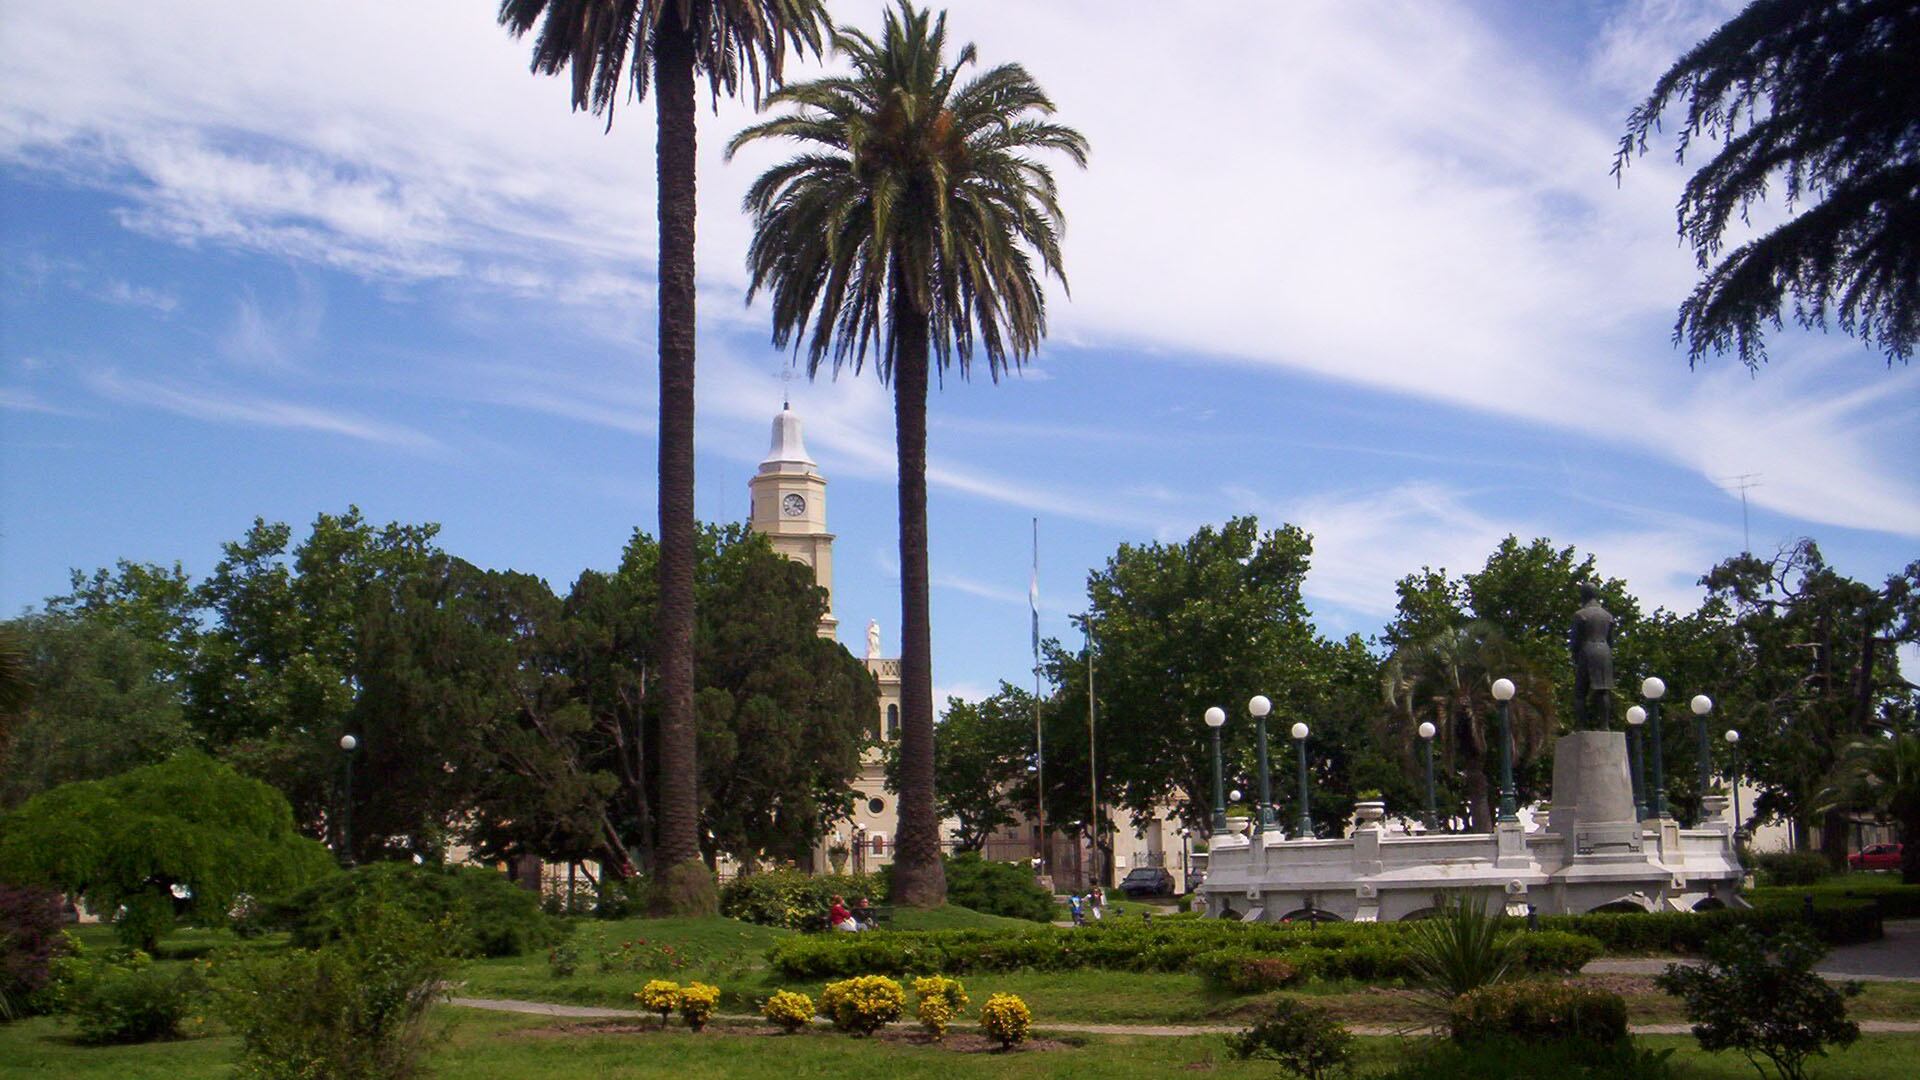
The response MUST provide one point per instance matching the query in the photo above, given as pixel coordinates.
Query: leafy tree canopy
(1820, 99)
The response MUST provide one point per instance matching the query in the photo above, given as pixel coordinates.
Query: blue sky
(1356, 266)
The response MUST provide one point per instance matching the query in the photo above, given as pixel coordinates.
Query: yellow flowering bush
(863, 1005)
(788, 1009)
(1005, 1017)
(659, 995)
(697, 1001)
(940, 1000)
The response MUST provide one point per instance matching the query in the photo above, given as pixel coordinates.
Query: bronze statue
(1591, 642)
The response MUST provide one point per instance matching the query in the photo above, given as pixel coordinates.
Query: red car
(1876, 857)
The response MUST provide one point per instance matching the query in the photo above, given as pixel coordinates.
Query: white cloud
(224, 405)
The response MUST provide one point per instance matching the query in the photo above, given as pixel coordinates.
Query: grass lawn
(493, 1047)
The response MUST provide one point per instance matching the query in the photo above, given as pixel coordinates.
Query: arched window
(893, 722)
(879, 843)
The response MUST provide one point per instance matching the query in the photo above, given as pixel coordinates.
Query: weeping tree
(1819, 100)
(916, 223)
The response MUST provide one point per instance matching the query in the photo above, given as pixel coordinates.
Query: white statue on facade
(873, 639)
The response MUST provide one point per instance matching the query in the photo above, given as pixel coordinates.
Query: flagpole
(1093, 770)
(1039, 738)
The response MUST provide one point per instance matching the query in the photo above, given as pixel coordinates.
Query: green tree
(663, 45)
(189, 834)
(983, 760)
(101, 707)
(910, 224)
(1881, 774)
(1819, 99)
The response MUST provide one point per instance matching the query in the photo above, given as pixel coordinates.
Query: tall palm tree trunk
(673, 97)
(918, 878)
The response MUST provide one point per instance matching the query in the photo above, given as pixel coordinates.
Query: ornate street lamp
(1636, 716)
(347, 746)
(1427, 731)
(1502, 694)
(1304, 827)
(1186, 860)
(1733, 780)
(1702, 705)
(1217, 716)
(1258, 707)
(1653, 689)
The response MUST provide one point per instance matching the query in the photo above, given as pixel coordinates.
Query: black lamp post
(1701, 706)
(1258, 707)
(1186, 860)
(1636, 716)
(1653, 689)
(1733, 780)
(1509, 798)
(1304, 827)
(1217, 716)
(348, 744)
(1427, 731)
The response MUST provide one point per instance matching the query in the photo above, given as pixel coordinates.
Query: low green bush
(353, 1009)
(1763, 998)
(794, 899)
(486, 914)
(120, 996)
(31, 937)
(1513, 1059)
(1553, 951)
(1835, 922)
(1302, 1039)
(1792, 867)
(1896, 900)
(997, 888)
(1535, 1011)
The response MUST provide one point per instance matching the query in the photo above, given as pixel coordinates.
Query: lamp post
(1653, 690)
(1701, 706)
(1733, 779)
(1502, 694)
(347, 746)
(1304, 827)
(1258, 707)
(1427, 731)
(1186, 861)
(1217, 716)
(1636, 716)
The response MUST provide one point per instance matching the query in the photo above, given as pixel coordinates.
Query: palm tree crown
(909, 224)
(910, 189)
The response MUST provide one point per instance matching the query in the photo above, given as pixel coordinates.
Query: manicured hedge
(795, 899)
(1233, 954)
(1897, 901)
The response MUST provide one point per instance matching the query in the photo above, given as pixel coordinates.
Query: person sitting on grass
(839, 918)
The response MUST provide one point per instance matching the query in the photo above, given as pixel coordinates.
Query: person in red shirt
(839, 917)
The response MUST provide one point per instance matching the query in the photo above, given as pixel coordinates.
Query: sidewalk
(1894, 958)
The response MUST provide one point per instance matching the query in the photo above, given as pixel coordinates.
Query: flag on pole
(1033, 593)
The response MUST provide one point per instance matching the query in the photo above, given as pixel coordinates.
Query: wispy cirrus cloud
(222, 404)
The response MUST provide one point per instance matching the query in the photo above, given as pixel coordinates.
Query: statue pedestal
(1593, 797)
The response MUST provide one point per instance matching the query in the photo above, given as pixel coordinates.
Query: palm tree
(1882, 774)
(910, 224)
(1453, 671)
(731, 42)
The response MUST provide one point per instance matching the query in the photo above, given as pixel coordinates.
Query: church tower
(789, 499)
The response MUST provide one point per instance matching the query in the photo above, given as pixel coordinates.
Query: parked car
(1147, 881)
(1876, 857)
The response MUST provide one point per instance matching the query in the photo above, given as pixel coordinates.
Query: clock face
(793, 505)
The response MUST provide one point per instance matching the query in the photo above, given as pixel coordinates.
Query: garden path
(1894, 958)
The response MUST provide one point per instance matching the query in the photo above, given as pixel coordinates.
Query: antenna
(786, 385)
(1744, 482)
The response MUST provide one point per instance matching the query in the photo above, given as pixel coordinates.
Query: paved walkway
(1894, 958)
(596, 1012)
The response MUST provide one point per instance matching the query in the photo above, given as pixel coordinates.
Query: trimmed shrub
(1553, 951)
(862, 1005)
(1763, 999)
(1793, 867)
(659, 995)
(788, 1010)
(1896, 900)
(1006, 1018)
(697, 1002)
(1302, 1039)
(1537, 1011)
(997, 888)
(563, 959)
(31, 924)
(121, 997)
(1511, 1059)
(939, 999)
(354, 1009)
(487, 915)
(795, 900)
(1244, 971)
